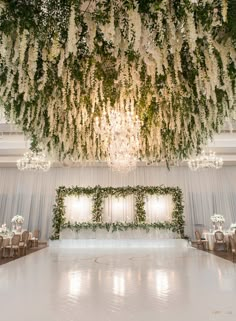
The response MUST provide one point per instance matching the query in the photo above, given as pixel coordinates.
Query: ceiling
(13, 144)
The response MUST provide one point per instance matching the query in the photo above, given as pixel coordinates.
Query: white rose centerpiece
(233, 226)
(3, 229)
(218, 221)
(18, 220)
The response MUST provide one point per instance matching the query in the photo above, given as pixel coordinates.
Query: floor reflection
(161, 284)
(119, 283)
(78, 282)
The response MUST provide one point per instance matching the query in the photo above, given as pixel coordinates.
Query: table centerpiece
(218, 221)
(17, 222)
(4, 230)
(233, 227)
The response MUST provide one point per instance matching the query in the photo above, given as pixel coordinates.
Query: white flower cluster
(18, 219)
(3, 229)
(233, 226)
(217, 218)
(153, 54)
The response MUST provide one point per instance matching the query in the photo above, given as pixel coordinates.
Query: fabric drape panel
(33, 194)
(119, 209)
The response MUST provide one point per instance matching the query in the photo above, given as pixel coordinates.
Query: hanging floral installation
(64, 63)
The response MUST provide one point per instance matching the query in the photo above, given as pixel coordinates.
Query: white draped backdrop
(33, 194)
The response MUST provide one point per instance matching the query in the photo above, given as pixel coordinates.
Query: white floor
(144, 284)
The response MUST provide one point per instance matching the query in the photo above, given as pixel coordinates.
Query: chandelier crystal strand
(34, 161)
(205, 160)
(120, 134)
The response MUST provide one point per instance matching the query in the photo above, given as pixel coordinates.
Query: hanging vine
(63, 63)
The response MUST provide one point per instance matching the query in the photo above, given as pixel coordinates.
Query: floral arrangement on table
(18, 219)
(65, 63)
(218, 221)
(217, 218)
(3, 229)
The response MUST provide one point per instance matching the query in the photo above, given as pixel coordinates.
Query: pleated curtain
(32, 194)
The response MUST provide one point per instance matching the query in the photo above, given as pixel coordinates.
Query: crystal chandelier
(33, 161)
(120, 133)
(205, 160)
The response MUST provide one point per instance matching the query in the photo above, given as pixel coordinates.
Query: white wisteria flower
(18, 219)
(98, 56)
(217, 218)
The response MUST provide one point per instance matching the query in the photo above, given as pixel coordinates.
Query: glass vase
(220, 226)
(19, 227)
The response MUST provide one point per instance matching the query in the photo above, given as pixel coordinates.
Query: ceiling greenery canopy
(172, 62)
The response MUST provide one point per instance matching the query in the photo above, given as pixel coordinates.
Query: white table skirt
(210, 237)
(118, 235)
(6, 238)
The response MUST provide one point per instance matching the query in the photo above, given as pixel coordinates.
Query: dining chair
(201, 243)
(35, 238)
(1, 247)
(24, 241)
(14, 245)
(220, 240)
(232, 241)
(6, 241)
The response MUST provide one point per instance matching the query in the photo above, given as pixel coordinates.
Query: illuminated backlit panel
(119, 209)
(158, 208)
(78, 208)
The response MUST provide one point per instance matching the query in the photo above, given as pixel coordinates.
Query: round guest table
(210, 237)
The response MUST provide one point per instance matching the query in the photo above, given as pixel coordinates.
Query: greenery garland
(118, 226)
(63, 63)
(99, 193)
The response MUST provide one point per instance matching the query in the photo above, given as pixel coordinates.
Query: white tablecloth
(210, 237)
(9, 237)
(103, 234)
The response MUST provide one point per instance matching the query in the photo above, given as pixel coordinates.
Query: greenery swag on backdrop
(98, 195)
(64, 63)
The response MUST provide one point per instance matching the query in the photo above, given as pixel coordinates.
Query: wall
(32, 194)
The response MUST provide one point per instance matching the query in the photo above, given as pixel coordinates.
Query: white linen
(158, 208)
(210, 237)
(78, 209)
(9, 237)
(33, 194)
(119, 209)
(102, 234)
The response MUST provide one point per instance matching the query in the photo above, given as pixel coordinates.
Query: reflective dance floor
(118, 284)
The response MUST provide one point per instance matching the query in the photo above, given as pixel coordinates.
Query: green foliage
(145, 5)
(98, 195)
(118, 226)
(152, 54)
(232, 18)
